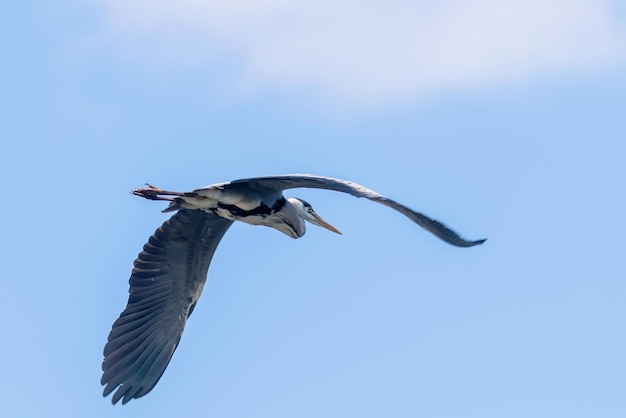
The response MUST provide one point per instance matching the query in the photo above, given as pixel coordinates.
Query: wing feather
(166, 282)
(291, 181)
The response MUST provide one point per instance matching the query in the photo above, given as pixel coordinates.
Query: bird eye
(310, 210)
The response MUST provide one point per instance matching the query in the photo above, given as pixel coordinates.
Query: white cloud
(378, 52)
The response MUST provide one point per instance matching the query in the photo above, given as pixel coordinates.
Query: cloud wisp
(374, 53)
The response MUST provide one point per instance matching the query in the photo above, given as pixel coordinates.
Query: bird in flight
(169, 274)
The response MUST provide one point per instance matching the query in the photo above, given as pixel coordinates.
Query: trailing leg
(154, 193)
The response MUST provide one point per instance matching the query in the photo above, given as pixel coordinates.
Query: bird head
(306, 212)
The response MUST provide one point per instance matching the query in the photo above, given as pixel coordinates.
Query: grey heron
(170, 272)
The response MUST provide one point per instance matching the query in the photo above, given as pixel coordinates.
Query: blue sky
(504, 119)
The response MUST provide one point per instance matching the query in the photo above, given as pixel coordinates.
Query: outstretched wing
(165, 285)
(291, 181)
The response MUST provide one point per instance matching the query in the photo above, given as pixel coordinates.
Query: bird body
(169, 274)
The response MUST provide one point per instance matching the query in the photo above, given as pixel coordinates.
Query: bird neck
(288, 220)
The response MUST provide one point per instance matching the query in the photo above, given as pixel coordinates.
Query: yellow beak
(325, 224)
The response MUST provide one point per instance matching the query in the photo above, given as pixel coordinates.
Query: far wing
(291, 181)
(165, 285)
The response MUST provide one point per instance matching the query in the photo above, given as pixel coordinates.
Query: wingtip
(479, 241)
(466, 244)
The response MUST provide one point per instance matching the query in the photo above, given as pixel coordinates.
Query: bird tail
(175, 204)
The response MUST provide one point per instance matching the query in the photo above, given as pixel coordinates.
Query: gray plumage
(170, 272)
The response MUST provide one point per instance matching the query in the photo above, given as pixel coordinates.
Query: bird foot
(154, 193)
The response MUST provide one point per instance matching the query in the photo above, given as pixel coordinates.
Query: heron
(170, 272)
